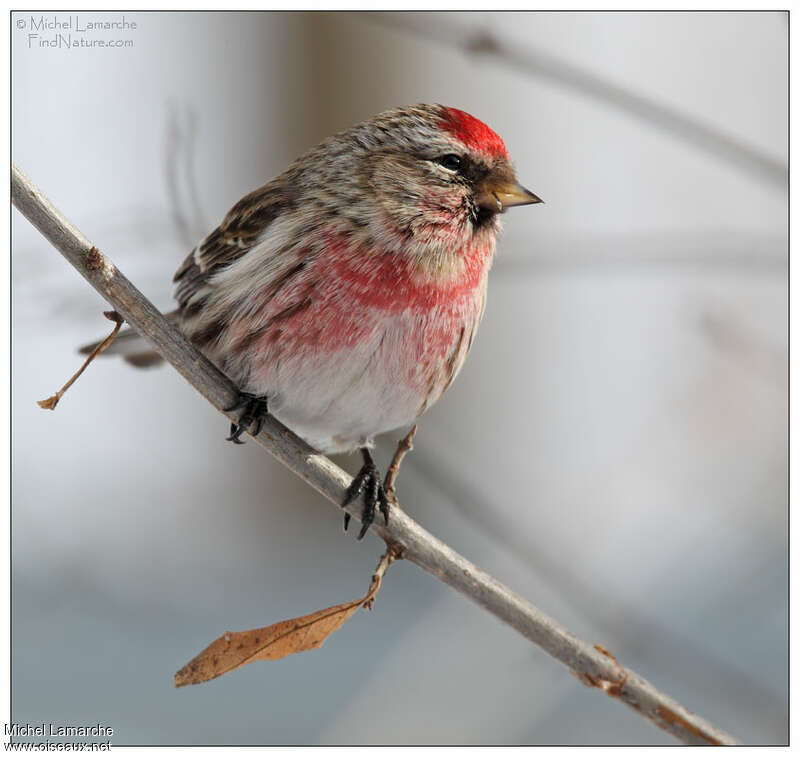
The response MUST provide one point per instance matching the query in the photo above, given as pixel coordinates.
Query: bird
(343, 296)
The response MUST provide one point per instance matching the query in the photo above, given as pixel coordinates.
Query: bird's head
(425, 179)
(433, 167)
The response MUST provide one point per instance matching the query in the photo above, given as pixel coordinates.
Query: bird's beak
(497, 196)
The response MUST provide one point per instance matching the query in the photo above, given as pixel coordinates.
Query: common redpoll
(345, 294)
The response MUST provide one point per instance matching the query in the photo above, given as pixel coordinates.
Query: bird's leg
(254, 410)
(368, 481)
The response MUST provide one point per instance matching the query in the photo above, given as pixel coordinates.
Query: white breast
(340, 400)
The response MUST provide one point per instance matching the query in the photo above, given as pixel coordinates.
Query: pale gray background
(615, 448)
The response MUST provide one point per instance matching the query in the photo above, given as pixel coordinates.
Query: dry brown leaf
(236, 648)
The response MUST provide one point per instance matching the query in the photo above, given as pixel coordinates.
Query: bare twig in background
(51, 402)
(481, 41)
(402, 533)
(199, 223)
(181, 180)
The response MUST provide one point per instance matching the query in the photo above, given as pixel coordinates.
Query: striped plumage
(344, 295)
(348, 289)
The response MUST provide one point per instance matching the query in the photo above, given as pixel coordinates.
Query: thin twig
(112, 315)
(588, 663)
(391, 554)
(187, 215)
(173, 152)
(614, 618)
(404, 446)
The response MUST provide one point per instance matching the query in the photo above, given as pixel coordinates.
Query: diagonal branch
(479, 40)
(591, 664)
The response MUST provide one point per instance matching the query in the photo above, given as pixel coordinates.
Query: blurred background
(615, 448)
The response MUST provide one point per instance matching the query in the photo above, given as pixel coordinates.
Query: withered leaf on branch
(236, 648)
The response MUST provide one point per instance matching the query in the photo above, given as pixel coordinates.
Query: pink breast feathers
(392, 282)
(346, 301)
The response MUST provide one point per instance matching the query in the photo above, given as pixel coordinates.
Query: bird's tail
(132, 347)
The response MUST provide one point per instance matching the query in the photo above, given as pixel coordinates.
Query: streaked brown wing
(234, 237)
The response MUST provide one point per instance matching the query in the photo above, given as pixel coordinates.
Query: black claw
(253, 413)
(259, 425)
(236, 430)
(367, 481)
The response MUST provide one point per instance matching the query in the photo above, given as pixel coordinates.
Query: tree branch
(479, 40)
(591, 664)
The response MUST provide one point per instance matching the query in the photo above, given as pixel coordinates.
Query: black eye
(450, 161)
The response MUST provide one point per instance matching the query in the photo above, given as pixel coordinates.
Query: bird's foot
(254, 410)
(369, 482)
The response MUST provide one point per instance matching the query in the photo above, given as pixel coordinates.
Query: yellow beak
(497, 197)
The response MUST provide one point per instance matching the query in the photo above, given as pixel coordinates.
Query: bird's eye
(450, 161)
